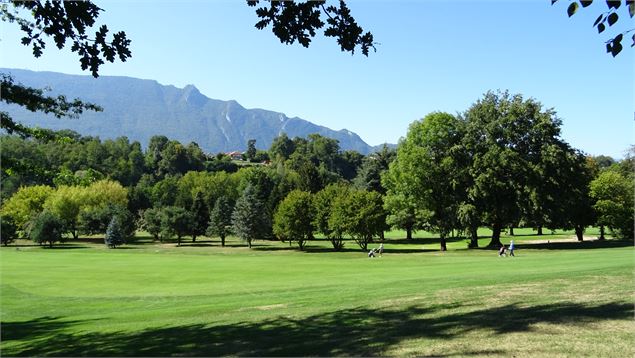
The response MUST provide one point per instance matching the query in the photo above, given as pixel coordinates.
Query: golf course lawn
(559, 298)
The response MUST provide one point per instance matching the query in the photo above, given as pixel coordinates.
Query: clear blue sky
(433, 56)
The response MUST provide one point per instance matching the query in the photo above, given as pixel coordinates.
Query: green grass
(557, 299)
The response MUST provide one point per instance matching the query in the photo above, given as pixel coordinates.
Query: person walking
(501, 251)
(381, 249)
(511, 248)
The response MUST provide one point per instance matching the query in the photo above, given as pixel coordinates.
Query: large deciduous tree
(293, 219)
(323, 202)
(614, 194)
(66, 202)
(425, 173)
(360, 215)
(26, 203)
(504, 136)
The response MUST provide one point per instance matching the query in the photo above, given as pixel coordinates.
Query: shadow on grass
(35, 328)
(348, 248)
(570, 245)
(355, 332)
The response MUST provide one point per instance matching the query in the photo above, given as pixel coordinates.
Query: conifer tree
(220, 220)
(248, 220)
(114, 234)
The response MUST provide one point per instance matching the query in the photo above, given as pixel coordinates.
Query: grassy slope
(160, 300)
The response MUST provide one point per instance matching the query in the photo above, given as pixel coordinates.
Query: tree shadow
(425, 240)
(354, 332)
(34, 328)
(575, 245)
(64, 247)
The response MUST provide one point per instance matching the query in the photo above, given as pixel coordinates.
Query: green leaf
(633, 41)
(613, 4)
(613, 19)
(631, 7)
(586, 3)
(572, 8)
(553, 1)
(601, 28)
(597, 21)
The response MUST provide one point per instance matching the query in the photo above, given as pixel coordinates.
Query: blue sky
(433, 56)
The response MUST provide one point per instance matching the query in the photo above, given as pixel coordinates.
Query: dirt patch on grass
(400, 300)
(271, 307)
(572, 238)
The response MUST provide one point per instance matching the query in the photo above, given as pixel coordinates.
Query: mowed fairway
(159, 300)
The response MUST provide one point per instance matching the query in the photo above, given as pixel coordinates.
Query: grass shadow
(354, 332)
(34, 328)
(575, 245)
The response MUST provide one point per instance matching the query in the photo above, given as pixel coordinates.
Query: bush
(46, 228)
(8, 230)
(96, 220)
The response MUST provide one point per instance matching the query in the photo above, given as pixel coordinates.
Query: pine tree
(200, 214)
(220, 219)
(114, 233)
(248, 218)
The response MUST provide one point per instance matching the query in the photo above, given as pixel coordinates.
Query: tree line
(500, 164)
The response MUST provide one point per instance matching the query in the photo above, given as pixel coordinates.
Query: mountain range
(139, 109)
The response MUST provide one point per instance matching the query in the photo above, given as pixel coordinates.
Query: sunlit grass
(563, 298)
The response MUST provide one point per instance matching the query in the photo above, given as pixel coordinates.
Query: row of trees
(44, 213)
(79, 160)
(501, 164)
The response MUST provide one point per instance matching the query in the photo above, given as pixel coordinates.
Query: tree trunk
(602, 232)
(473, 238)
(337, 243)
(249, 243)
(511, 231)
(301, 244)
(178, 241)
(443, 243)
(50, 244)
(496, 235)
(381, 235)
(193, 238)
(409, 232)
(75, 234)
(539, 229)
(579, 230)
(222, 241)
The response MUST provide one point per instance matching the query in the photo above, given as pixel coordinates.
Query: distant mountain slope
(139, 109)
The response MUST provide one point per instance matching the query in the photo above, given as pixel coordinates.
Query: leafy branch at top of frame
(607, 19)
(68, 20)
(294, 21)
